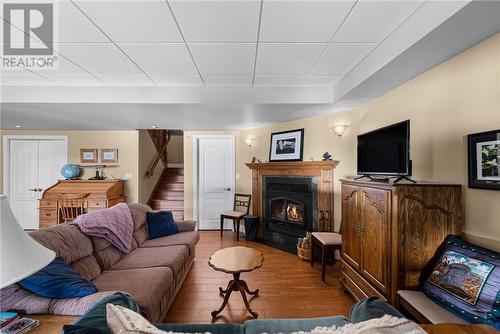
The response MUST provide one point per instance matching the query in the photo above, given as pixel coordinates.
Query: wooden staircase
(168, 193)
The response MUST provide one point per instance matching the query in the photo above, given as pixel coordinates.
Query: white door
(215, 180)
(33, 166)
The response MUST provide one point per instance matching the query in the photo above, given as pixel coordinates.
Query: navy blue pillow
(161, 224)
(58, 280)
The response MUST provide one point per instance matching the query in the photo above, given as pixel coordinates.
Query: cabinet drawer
(44, 224)
(355, 281)
(48, 215)
(48, 203)
(97, 203)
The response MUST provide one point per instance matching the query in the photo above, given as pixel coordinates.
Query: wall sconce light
(339, 129)
(249, 141)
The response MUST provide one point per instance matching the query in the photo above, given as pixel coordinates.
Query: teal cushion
(203, 328)
(94, 320)
(371, 308)
(258, 326)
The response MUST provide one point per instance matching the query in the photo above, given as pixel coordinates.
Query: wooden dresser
(390, 231)
(99, 194)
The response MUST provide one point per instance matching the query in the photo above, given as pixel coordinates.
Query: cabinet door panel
(375, 236)
(351, 243)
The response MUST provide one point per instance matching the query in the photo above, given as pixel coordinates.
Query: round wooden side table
(236, 260)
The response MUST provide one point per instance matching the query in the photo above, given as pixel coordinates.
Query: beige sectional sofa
(152, 272)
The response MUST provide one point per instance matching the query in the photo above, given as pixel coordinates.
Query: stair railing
(161, 154)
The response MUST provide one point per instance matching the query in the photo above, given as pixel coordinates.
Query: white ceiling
(165, 43)
(299, 52)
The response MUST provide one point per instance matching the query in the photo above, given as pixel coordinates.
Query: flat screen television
(385, 151)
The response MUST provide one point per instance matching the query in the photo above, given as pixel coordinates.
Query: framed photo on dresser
(484, 160)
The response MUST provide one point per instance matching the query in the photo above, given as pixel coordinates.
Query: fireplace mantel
(323, 170)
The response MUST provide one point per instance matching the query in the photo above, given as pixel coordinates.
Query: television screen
(385, 151)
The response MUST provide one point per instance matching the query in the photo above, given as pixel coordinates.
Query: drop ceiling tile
(74, 79)
(161, 58)
(133, 21)
(228, 81)
(321, 80)
(302, 21)
(287, 59)
(177, 80)
(218, 21)
(221, 58)
(99, 58)
(75, 27)
(279, 81)
(127, 80)
(372, 21)
(24, 80)
(340, 58)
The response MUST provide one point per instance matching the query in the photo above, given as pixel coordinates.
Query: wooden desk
(51, 324)
(100, 194)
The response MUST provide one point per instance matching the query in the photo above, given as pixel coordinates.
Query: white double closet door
(33, 165)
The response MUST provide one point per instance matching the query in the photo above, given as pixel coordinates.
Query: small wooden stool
(327, 240)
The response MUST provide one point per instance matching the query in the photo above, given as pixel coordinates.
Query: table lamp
(20, 255)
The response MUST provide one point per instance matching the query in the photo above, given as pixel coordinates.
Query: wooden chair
(71, 207)
(327, 241)
(241, 208)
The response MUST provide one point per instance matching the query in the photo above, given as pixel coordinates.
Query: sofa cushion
(106, 253)
(13, 297)
(70, 244)
(189, 239)
(161, 224)
(465, 280)
(258, 326)
(148, 286)
(172, 257)
(58, 280)
(138, 212)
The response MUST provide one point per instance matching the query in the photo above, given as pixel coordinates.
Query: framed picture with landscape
(88, 155)
(484, 160)
(287, 146)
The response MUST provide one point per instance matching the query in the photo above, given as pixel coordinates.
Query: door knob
(32, 189)
(227, 189)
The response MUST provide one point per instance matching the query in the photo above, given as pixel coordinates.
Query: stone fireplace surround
(307, 185)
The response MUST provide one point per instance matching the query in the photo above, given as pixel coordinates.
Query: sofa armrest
(186, 225)
(370, 308)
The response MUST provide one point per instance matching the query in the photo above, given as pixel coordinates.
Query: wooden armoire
(390, 231)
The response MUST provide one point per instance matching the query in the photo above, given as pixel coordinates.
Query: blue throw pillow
(466, 280)
(161, 224)
(58, 280)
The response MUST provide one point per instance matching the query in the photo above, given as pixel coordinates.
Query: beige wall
(125, 141)
(456, 98)
(147, 153)
(188, 165)
(318, 139)
(175, 149)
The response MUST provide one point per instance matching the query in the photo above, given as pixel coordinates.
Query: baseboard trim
(175, 165)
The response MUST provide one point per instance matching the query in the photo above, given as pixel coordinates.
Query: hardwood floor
(288, 287)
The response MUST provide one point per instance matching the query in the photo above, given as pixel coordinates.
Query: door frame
(196, 142)
(6, 154)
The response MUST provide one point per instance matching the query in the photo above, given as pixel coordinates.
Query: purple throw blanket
(114, 224)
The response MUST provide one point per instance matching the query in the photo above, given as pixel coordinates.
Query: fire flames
(294, 213)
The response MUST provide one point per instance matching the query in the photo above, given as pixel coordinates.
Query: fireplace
(290, 205)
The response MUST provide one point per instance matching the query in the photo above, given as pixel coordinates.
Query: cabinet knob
(48, 214)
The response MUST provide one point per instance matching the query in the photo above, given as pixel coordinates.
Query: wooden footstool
(327, 241)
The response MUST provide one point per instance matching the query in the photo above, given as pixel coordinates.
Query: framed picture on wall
(484, 160)
(287, 146)
(88, 155)
(109, 155)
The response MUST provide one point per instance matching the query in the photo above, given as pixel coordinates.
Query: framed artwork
(88, 155)
(109, 155)
(287, 145)
(484, 160)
